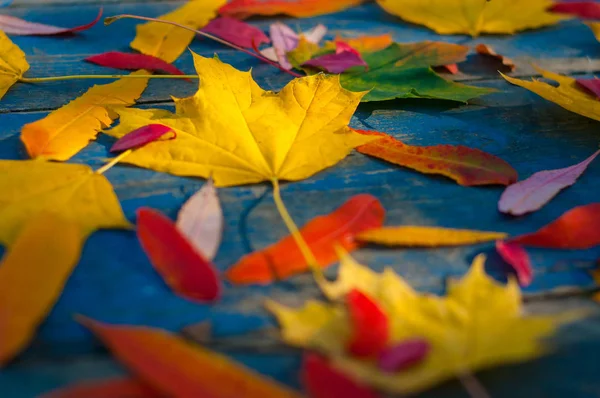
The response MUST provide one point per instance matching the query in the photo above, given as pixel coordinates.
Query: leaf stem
(114, 161)
(59, 78)
(109, 20)
(473, 387)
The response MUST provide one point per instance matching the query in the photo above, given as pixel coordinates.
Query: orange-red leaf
(284, 259)
(112, 388)
(295, 8)
(177, 369)
(182, 267)
(578, 228)
(467, 166)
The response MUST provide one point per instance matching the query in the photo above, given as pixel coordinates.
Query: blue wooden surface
(114, 281)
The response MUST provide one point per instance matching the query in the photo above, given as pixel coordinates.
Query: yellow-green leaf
(12, 63)
(427, 236)
(168, 42)
(240, 134)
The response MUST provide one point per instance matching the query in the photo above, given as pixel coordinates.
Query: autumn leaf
(12, 63)
(236, 32)
(128, 61)
(344, 58)
(414, 236)
(369, 325)
(591, 85)
(17, 26)
(116, 388)
(581, 9)
(285, 40)
(595, 27)
(168, 42)
(507, 63)
(295, 8)
(364, 44)
(474, 17)
(142, 136)
(516, 256)
(176, 368)
(478, 325)
(467, 166)
(284, 259)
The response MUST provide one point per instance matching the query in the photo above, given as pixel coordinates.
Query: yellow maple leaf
(427, 236)
(479, 324)
(240, 134)
(567, 95)
(474, 17)
(12, 63)
(168, 42)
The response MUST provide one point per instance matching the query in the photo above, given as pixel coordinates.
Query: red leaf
(578, 228)
(141, 137)
(515, 255)
(322, 381)
(592, 86)
(130, 61)
(115, 388)
(294, 8)
(185, 270)
(404, 355)
(582, 9)
(18, 26)
(236, 32)
(369, 324)
(467, 166)
(283, 259)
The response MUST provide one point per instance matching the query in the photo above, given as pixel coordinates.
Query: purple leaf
(403, 355)
(141, 137)
(533, 193)
(592, 86)
(345, 57)
(515, 255)
(236, 32)
(20, 27)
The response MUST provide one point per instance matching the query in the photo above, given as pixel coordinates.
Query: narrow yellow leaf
(32, 277)
(169, 42)
(12, 63)
(427, 236)
(67, 130)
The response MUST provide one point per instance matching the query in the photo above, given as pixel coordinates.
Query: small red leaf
(131, 61)
(369, 324)
(581, 9)
(578, 228)
(116, 388)
(185, 270)
(20, 27)
(236, 32)
(591, 86)
(403, 355)
(142, 136)
(515, 255)
(322, 381)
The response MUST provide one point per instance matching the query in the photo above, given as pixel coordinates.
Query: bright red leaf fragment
(185, 270)
(116, 388)
(131, 61)
(516, 256)
(592, 86)
(20, 27)
(370, 328)
(142, 136)
(236, 32)
(578, 228)
(322, 381)
(581, 9)
(283, 259)
(403, 355)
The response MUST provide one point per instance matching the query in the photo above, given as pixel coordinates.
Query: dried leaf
(140, 137)
(474, 17)
(581, 9)
(413, 236)
(534, 192)
(484, 49)
(403, 355)
(129, 61)
(467, 166)
(178, 369)
(67, 130)
(201, 220)
(575, 229)
(12, 63)
(515, 255)
(364, 44)
(236, 32)
(286, 40)
(115, 388)
(295, 8)
(284, 259)
(32, 276)
(345, 57)
(183, 268)
(369, 325)
(168, 42)
(17, 26)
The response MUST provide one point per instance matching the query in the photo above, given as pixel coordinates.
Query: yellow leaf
(67, 130)
(474, 17)
(32, 276)
(427, 236)
(240, 134)
(595, 27)
(567, 95)
(168, 42)
(479, 324)
(74, 192)
(12, 63)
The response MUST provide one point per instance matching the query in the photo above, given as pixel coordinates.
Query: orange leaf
(467, 166)
(178, 369)
(284, 259)
(116, 388)
(368, 43)
(484, 49)
(299, 8)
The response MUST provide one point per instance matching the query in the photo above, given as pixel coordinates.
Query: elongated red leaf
(403, 355)
(590, 85)
(185, 270)
(323, 233)
(131, 61)
(515, 255)
(322, 381)
(178, 369)
(467, 166)
(140, 137)
(578, 228)
(115, 388)
(581, 9)
(236, 32)
(20, 27)
(370, 326)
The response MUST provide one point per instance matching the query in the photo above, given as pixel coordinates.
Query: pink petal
(533, 193)
(515, 255)
(141, 137)
(338, 62)
(403, 355)
(131, 61)
(592, 86)
(316, 34)
(18, 26)
(236, 32)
